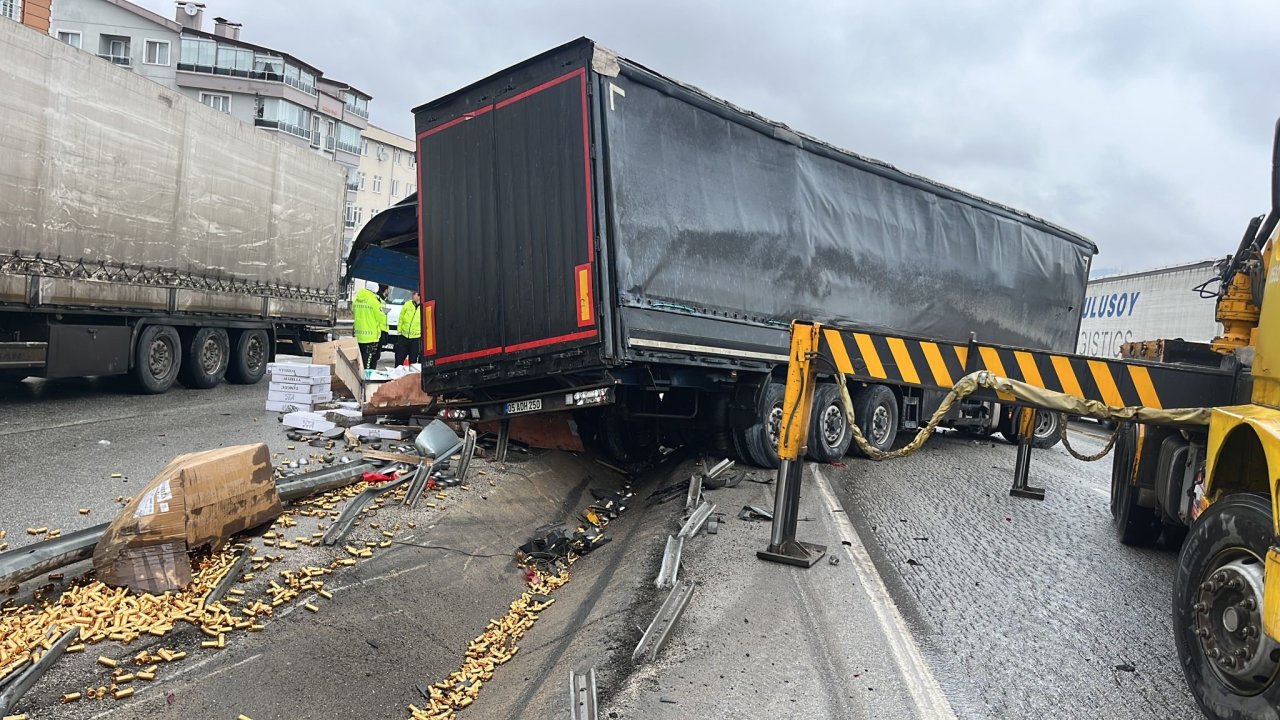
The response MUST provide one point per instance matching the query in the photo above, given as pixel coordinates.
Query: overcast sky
(1145, 126)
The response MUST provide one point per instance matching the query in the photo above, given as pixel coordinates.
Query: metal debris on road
(655, 636)
(697, 520)
(670, 562)
(13, 691)
(754, 512)
(582, 695)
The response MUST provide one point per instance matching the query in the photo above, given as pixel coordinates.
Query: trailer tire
(630, 441)
(761, 439)
(1135, 525)
(1047, 430)
(829, 433)
(205, 362)
(249, 357)
(157, 359)
(1217, 596)
(875, 408)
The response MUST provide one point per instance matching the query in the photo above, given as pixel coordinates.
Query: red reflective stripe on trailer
(551, 341)
(468, 355)
(460, 119)
(539, 88)
(586, 174)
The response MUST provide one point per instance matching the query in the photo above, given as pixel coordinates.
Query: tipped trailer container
(143, 232)
(592, 236)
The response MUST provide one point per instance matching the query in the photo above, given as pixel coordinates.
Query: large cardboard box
(328, 353)
(197, 500)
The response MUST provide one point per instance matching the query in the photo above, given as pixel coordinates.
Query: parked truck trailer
(599, 238)
(142, 232)
(1170, 302)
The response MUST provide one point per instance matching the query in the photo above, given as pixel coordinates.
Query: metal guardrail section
(219, 591)
(342, 526)
(14, 691)
(670, 563)
(655, 636)
(582, 695)
(18, 566)
(697, 520)
(301, 486)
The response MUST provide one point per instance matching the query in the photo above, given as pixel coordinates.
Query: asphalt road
(1023, 609)
(1020, 608)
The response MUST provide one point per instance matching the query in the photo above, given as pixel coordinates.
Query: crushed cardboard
(402, 392)
(198, 499)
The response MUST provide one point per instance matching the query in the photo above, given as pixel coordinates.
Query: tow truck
(1197, 453)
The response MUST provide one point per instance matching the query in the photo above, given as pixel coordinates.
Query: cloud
(1144, 125)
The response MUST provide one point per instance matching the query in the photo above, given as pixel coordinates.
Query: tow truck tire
(829, 433)
(205, 361)
(875, 409)
(248, 358)
(157, 358)
(1135, 525)
(1217, 610)
(761, 439)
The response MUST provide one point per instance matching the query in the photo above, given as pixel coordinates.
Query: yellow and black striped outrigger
(876, 357)
(895, 359)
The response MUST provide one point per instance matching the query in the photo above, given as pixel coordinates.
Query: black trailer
(591, 233)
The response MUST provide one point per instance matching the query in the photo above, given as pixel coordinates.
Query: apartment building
(387, 174)
(273, 90)
(32, 13)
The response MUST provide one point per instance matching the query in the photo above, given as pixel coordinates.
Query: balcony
(301, 132)
(348, 223)
(123, 60)
(358, 112)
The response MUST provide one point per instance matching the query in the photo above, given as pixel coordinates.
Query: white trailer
(1147, 305)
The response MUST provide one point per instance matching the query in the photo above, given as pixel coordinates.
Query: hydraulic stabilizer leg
(1022, 464)
(797, 407)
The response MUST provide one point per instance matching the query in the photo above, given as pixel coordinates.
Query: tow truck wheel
(1136, 525)
(829, 433)
(156, 360)
(1229, 661)
(205, 361)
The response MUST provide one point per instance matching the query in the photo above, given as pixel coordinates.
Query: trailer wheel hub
(880, 425)
(160, 358)
(1229, 624)
(254, 353)
(210, 355)
(832, 425)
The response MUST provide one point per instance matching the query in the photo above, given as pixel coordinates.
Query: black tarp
(713, 214)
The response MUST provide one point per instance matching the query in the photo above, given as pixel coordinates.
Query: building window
(348, 138)
(410, 189)
(397, 156)
(303, 80)
(364, 147)
(395, 187)
(349, 216)
(221, 103)
(359, 216)
(377, 183)
(360, 181)
(114, 48)
(354, 180)
(356, 104)
(157, 52)
(11, 9)
(284, 115)
(234, 61)
(70, 37)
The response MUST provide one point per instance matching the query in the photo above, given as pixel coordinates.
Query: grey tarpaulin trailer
(589, 231)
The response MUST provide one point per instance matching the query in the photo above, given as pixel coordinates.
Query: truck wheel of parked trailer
(1135, 524)
(760, 441)
(156, 359)
(1048, 427)
(1227, 658)
(205, 364)
(875, 408)
(248, 361)
(829, 433)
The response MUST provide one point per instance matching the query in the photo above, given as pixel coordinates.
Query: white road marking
(929, 699)
(187, 670)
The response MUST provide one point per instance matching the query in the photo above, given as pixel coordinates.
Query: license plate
(523, 406)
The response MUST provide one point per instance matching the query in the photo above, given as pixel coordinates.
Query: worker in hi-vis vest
(370, 323)
(409, 344)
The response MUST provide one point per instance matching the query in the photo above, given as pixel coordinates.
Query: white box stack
(296, 387)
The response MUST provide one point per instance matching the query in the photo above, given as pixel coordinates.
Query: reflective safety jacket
(370, 321)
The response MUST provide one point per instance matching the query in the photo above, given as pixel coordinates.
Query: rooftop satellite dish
(191, 8)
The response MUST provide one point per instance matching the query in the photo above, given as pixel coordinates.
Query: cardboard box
(311, 398)
(327, 354)
(402, 392)
(289, 407)
(200, 499)
(308, 421)
(302, 387)
(286, 369)
(377, 431)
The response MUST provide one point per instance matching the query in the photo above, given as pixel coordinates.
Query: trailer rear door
(506, 227)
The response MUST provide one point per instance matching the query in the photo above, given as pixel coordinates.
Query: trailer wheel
(875, 408)
(249, 358)
(1135, 525)
(156, 359)
(1047, 429)
(206, 360)
(1227, 658)
(761, 439)
(630, 441)
(829, 433)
